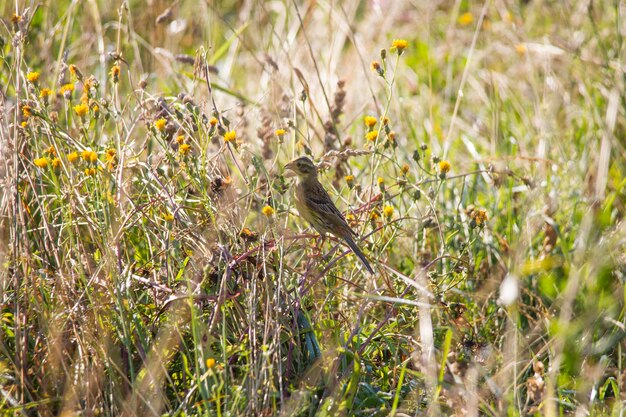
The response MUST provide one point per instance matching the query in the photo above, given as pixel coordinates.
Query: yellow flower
(76, 72)
(280, 132)
(168, 217)
(24, 124)
(41, 162)
(404, 169)
(230, 136)
(81, 109)
(184, 148)
(67, 90)
(388, 211)
(381, 183)
(72, 157)
(375, 65)
(90, 171)
(444, 167)
(160, 124)
(90, 82)
(399, 45)
(27, 111)
(374, 215)
(466, 19)
(213, 121)
(115, 73)
(110, 154)
(32, 77)
(521, 48)
(249, 235)
(268, 211)
(480, 216)
(349, 180)
(370, 121)
(371, 136)
(89, 155)
(45, 93)
(210, 363)
(180, 139)
(51, 150)
(56, 162)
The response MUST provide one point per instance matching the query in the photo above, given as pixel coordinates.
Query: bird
(315, 206)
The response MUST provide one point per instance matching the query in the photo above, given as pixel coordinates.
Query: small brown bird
(316, 206)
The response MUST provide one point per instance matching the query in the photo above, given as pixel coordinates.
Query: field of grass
(153, 261)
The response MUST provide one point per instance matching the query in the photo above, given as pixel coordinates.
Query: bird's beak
(290, 172)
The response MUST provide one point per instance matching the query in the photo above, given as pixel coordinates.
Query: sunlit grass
(154, 263)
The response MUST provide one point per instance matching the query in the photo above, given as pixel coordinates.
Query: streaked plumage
(316, 206)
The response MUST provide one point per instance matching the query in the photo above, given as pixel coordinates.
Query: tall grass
(153, 262)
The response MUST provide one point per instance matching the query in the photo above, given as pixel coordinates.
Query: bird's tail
(358, 253)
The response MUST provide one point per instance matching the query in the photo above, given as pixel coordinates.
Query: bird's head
(303, 167)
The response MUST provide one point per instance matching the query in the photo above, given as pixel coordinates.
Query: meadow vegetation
(153, 262)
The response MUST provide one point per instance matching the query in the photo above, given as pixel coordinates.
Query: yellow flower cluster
(371, 136)
(89, 155)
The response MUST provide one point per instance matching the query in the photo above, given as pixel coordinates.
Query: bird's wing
(322, 202)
